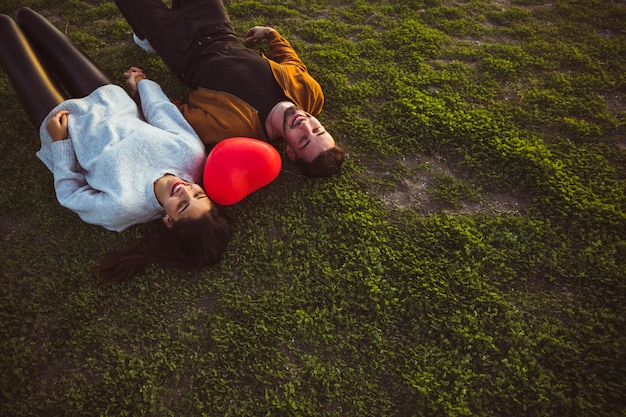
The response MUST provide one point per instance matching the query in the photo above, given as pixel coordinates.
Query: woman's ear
(290, 153)
(167, 220)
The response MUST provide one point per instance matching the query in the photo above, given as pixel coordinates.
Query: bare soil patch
(413, 191)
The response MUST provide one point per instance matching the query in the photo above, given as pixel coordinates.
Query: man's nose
(307, 125)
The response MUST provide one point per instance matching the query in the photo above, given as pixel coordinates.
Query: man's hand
(57, 126)
(132, 77)
(258, 33)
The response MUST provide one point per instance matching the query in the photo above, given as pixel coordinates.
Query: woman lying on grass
(114, 164)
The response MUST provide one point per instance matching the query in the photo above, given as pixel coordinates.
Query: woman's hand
(132, 77)
(258, 33)
(57, 126)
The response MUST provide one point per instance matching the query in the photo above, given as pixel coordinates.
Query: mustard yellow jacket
(216, 115)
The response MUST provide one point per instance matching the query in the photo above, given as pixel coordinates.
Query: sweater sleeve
(73, 191)
(159, 111)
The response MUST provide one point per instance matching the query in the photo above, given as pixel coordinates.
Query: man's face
(305, 136)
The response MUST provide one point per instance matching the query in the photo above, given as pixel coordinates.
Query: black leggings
(43, 65)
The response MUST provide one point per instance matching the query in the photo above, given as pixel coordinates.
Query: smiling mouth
(176, 187)
(295, 120)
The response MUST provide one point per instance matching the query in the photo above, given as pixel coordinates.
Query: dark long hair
(189, 243)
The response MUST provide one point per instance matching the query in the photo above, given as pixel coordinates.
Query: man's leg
(173, 32)
(34, 88)
(166, 31)
(207, 17)
(76, 72)
(149, 19)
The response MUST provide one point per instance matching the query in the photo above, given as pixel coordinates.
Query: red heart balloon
(236, 167)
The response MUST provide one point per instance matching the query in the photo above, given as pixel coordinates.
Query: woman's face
(181, 199)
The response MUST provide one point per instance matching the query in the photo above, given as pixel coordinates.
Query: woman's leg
(35, 89)
(75, 70)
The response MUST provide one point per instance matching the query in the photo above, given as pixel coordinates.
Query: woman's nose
(186, 190)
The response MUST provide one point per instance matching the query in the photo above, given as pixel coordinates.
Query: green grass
(469, 261)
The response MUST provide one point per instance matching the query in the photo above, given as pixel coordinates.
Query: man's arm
(281, 49)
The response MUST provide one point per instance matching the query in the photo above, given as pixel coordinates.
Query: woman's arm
(160, 112)
(132, 77)
(57, 126)
(71, 187)
(74, 192)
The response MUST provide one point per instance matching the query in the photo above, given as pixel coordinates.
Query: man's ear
(290, 153)
(167, 220)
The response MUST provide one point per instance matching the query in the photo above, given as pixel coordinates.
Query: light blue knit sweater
(105, 170)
